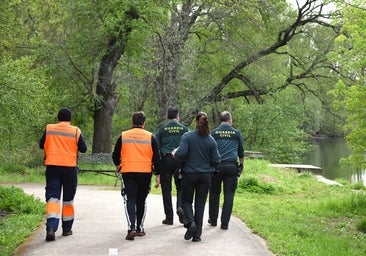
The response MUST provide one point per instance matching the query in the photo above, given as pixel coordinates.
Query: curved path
(100, 229)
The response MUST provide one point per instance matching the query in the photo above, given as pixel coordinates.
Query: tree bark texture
(172, 43)
(107, 98)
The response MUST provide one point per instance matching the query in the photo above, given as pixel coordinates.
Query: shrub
(253, 185)
(361, 225)
(20, 215)
(15, 201)
(13, 168)
(358, 186)
(354, 203)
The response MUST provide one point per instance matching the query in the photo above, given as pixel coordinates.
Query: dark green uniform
(168, 138)
(230, 145)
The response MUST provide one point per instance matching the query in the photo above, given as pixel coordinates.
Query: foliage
(20, 81)
(358, 186)
(351, 204)
(22, 214)
(350, 91)
(274, 128)
(13, 168)
(253, 185)
(361, 225)
(272, 73)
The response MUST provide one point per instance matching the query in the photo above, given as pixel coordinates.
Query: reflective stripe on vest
(61, 145)
(136, 151)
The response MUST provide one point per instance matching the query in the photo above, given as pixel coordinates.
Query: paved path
(100, 229)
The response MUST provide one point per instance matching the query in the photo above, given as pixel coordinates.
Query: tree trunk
(107, 98)
(106, 102)
(172, 43)
(102, 138)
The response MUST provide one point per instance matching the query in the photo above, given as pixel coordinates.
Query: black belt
(167, 155)
(228, 162)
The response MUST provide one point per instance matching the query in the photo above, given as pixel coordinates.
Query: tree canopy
(350, 90)
(271, 63)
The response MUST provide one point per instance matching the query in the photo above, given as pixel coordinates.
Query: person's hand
(118, 168)
(157, 181)
(240, 169)
(173, 152)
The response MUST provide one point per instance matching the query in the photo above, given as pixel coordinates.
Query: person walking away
(199, 151)
(61, 143)
(168, 138)
(136, 155)
(230, 144)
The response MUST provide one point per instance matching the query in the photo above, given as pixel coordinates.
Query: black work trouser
(195, 185)
(226, 175)
(135, 189)
(170, 169)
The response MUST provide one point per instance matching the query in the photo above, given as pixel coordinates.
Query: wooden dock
(299, 167)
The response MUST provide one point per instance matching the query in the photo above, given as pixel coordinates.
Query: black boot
(50, 235)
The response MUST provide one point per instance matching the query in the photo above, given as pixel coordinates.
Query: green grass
(294, 213)
(21, 215)
(297, 215)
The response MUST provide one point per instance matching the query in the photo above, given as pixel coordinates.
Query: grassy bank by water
(294, 213)
(297, 215)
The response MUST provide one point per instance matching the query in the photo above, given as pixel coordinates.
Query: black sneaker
(140, 232)
(212, 222)
(50, 235)
(196, 239)
(131, 235)
(67, 233)
(191, 231)
(180, 213)
(224, 226)
(167, 222)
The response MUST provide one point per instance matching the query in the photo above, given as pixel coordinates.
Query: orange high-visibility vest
(136, 151)
(61, 145)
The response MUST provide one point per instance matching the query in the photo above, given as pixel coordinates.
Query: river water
(327, 153)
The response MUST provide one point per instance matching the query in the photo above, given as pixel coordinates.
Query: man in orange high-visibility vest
(61, 143)
(136, 154)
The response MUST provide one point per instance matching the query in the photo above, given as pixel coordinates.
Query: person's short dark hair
(225, 116)
(172, 113)
(138, 118)
(64, 114)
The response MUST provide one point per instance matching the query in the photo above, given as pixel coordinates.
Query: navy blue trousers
(60, 179)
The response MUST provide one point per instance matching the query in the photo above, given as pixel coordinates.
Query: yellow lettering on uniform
(225, 134)
(173, 129)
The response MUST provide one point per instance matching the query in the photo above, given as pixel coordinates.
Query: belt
(228, 162)
(167, 155)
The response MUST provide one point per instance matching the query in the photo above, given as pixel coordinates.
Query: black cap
(64, 114)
